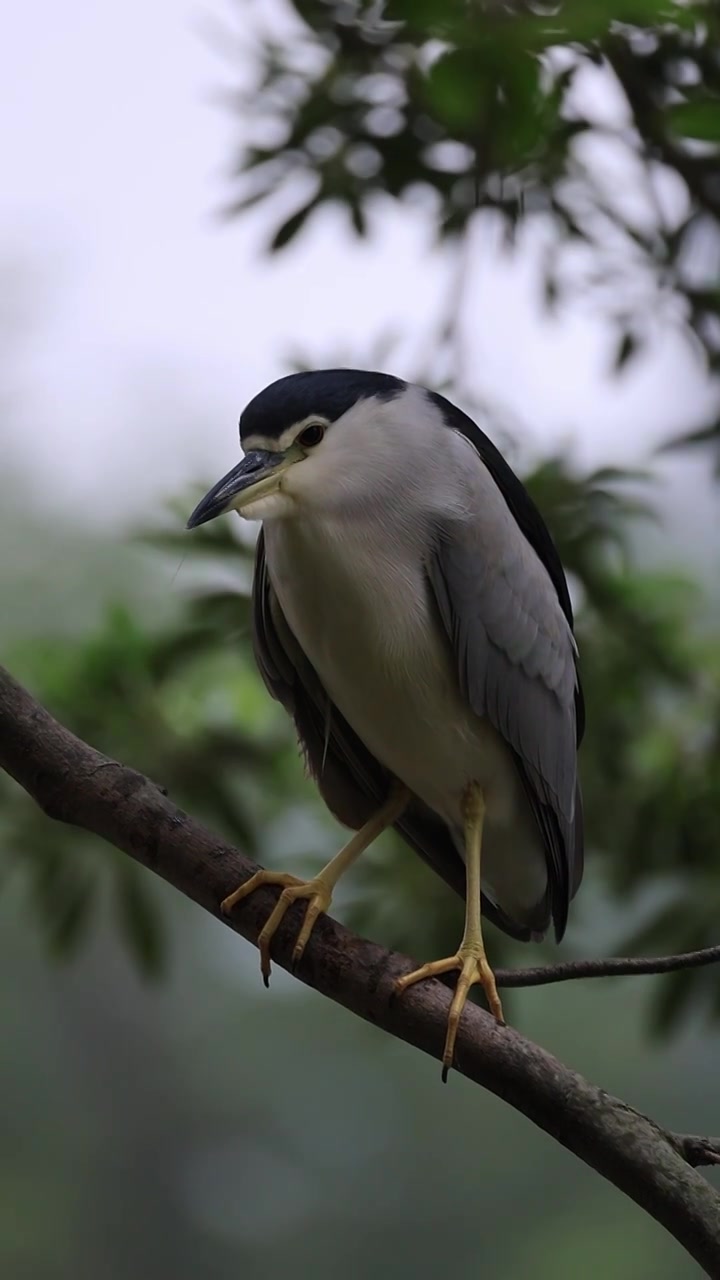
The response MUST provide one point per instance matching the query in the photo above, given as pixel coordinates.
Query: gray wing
(351, 781)
(516, 661)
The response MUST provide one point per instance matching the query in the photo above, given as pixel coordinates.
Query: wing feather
(516, 662)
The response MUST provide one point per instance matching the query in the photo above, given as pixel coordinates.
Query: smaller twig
(695, 1149)
(622, 966)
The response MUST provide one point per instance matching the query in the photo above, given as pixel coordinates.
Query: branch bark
(697, 1150)
(74, 783)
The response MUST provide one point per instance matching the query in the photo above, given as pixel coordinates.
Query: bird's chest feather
(362, 620)
(370, 630)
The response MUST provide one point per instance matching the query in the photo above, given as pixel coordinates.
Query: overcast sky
(156, 321)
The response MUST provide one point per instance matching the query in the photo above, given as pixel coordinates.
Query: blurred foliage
(184, 705)
(466, 106)
(174, 702)
(485, 106)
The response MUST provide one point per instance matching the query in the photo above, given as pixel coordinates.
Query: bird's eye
(311, 435)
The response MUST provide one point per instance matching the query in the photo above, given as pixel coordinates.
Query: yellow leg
(320, 889)
(470, 958)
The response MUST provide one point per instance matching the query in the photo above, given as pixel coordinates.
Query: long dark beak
(255, 475)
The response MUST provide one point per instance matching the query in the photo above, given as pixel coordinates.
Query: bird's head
(321, 441)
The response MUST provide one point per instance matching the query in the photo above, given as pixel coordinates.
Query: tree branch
(74, 783)
(615, 967)
(696, 1150)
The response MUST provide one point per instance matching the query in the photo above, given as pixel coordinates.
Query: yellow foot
(319, 893)
(472, 963)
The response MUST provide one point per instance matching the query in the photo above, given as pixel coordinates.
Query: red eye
(311, 435)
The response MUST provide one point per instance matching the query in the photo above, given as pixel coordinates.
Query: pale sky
(156, 321)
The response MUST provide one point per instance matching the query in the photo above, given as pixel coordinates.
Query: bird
(411, 613)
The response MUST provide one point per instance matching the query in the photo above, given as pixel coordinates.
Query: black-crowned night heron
(412, 615)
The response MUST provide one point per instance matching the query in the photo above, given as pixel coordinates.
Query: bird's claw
(474, 968)
(293, 889)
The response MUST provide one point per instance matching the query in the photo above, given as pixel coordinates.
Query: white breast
(371, 633)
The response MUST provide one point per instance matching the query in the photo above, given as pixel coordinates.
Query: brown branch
(74, 783)
(614, 967)
(697, 1150)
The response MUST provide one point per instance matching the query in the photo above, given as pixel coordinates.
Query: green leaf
(671, 1000)
(358, 217)
(69, 920)
(292, 225)
(628, 348)
(457, 91)
(139, 921)
(699, 119)
(690, 439)
(63, 895)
